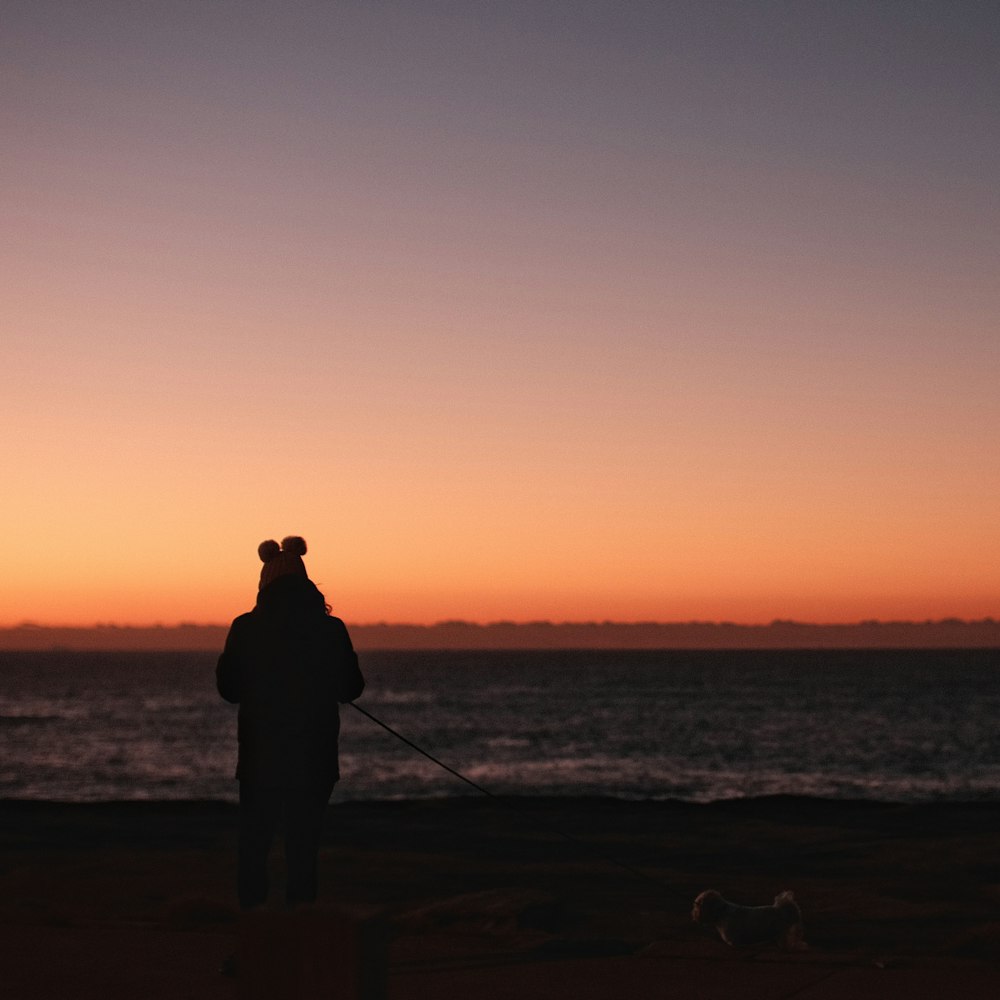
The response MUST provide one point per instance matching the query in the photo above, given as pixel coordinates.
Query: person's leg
(260, 810)
(305, 810)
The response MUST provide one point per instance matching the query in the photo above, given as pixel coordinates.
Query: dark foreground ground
(486, 899)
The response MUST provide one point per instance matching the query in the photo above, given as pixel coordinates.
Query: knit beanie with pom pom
(281, 560)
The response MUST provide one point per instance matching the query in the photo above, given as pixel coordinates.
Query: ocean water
(698, 726)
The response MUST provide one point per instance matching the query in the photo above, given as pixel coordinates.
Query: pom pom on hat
(268, 550)
(293, 544)
(283, 561)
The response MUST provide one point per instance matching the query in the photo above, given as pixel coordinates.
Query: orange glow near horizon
(623, 321)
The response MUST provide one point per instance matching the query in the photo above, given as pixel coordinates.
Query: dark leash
(530, 817)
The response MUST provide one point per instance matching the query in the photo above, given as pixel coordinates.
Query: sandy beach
(488, 898)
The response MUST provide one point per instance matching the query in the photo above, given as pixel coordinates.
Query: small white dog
(744, 925)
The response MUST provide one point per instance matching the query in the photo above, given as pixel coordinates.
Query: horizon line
(28, 625)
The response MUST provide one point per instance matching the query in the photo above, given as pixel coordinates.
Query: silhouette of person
(288, 663)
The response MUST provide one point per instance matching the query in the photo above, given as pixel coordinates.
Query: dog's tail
(785, 902)
(791, 917)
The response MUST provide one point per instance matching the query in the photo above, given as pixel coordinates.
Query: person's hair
(292, 594)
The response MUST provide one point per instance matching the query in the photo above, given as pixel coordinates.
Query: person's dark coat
(288, 664)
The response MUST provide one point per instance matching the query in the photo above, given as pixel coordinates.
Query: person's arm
(349, 682)
(227, 670)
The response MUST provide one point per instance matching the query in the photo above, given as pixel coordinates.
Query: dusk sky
(567, 310)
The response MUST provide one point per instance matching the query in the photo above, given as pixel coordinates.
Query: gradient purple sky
(513, 310)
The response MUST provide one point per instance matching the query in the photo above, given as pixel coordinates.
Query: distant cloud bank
(940, 634)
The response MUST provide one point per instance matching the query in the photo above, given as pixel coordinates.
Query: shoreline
(745, 802)
(337, 802)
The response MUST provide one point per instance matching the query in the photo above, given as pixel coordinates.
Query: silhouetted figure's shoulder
(336, 630)
(242, 622)
(349, 682)
(255, 640)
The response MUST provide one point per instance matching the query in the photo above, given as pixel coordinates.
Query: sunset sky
(567, 310)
